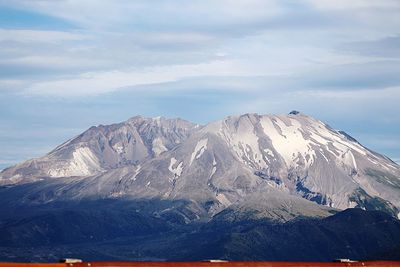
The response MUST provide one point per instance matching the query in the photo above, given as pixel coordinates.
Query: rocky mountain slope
(104, 148)
(298, 163)
(168, 189)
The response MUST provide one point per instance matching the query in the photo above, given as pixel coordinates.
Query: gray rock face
(277, 167)
(102, 148)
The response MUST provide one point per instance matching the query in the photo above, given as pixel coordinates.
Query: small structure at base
(70, 260)
(344, 260)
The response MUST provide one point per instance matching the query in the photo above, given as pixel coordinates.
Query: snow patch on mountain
(83, 163)
(337, 141)
(244, 141)
(269, 152)
(349, 160)
(158, 146)
(214, 168)
(137, 171)
(201, 146)
(288, 141)
(176, 171)
(119, 148)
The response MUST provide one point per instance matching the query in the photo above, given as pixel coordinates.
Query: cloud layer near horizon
(336, 60)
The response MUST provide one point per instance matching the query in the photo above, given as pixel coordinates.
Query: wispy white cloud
(39, 36)
(355, 4)
(129, 43)
(359, 95)
(104, 82)
(54, 62)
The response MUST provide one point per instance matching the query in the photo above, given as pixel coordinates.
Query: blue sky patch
(25, 19)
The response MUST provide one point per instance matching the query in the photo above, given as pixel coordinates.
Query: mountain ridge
(246, 187)
(218, 165)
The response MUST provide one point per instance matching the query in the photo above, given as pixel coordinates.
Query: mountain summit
(248, 187)
(259, 166)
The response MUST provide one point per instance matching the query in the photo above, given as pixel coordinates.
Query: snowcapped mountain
(104, 148)
(257, 166)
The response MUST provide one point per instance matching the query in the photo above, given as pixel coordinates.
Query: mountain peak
(294, 112)
(220, 164)
(159, 120)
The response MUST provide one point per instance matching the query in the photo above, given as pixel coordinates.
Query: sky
(66, 65)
